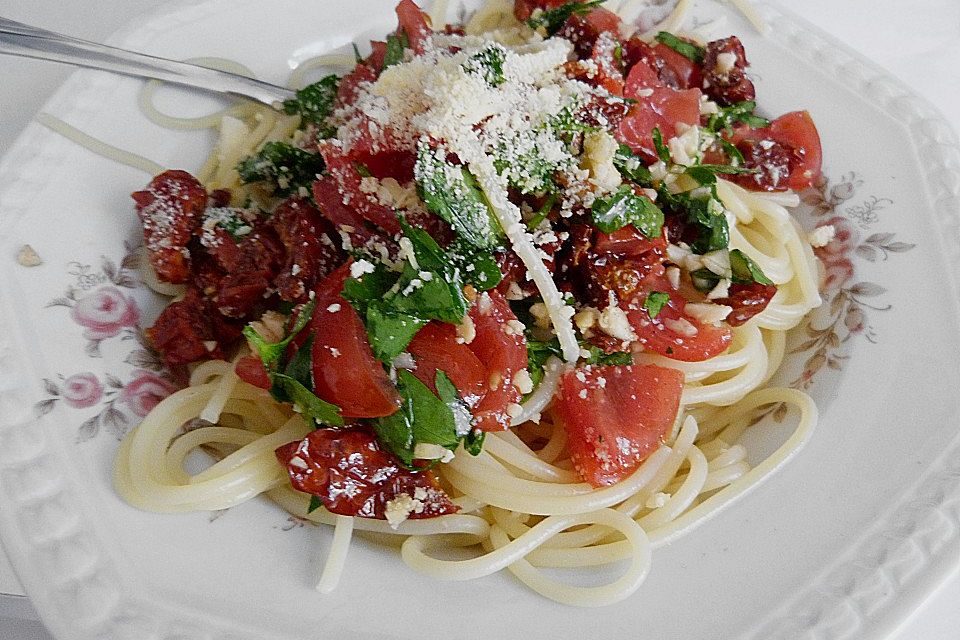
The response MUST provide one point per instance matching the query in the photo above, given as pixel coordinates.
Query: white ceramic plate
(842, 543)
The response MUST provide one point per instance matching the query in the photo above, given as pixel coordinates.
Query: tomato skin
(747, 300)
(436, 347)
(616, 416)
(504, 355)
(353, 476)
(345, 371)
(795, 139)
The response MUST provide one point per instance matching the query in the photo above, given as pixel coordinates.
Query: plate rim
(912, 555)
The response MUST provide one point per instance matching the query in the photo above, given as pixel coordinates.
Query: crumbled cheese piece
(599, 149)
(707, 313)
(613, 321)
(400, 508)
(523, 382)
(726, 61)
(360, 267)
(28, 257)
(334, 307)
(541, 316)
(514, 410)
(657, 500)
(685, 147)
(681, 325)
(821, 236)
(718, 262)
(466, 331)
(404, 360)
(583, 394)
(298, 462)
(673, 277)
(406, 252)
(586, 318)
(721, 290)
(513, 328)
(430, 451)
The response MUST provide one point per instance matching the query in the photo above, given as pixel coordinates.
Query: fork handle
(32, 42)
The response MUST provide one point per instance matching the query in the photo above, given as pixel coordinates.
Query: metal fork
(32, 42)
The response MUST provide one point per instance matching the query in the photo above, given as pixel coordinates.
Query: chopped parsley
(655, 302)
(395, 47)
(488, 64)
(741, 112)
(293, 381)
(314, 103)
(703, 212)
(745, 270)
(623, 207)
(686, 49)
(662, 151)
(396, 305)
(552, 19)
(283, 166)
(451, 193)
(424, 417)
(706, 174)
(632, 167)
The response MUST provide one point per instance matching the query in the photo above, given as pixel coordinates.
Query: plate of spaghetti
(515, 309)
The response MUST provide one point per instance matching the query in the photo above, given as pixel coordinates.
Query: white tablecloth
(918, 41)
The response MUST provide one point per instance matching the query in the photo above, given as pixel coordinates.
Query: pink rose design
(82, 390)
(837, 272)
(145, 391)
(105, 312)
(845, 239)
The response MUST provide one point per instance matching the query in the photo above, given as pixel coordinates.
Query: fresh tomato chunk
(343, 171)
(787, 153)
(415, 23)
(435, 347)
(662, 109)
(250, 369)
(674, 334)
(353, 476)
(616, 416)
(499, 343)
(345, 371)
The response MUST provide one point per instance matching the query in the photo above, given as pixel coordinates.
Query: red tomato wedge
(250, 369)
(792, 161)
(616, 416)
(503, 350)
(353, 476)
(662, 109)
(345, 371)
(674, 334)
(436, 347)
(347, 179)
(415, 23)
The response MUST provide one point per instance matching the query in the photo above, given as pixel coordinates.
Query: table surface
(920, 46)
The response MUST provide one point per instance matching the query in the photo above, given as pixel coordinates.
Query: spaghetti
(523, 502)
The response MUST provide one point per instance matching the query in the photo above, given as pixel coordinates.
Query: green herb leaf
(395, 47)
(745, 270)
(686, 49)
(287, 389)
(488, 64)
(272, 352)
(285, 167)
(230, 219)
(390, 331)
(473, 442)
(552, 19)
(624, 207)
(476, 266)
(727, 117)
(315, 503)
(662, 151)
(704, 213)
(632, 167)
(422, 417)
(314, 103)
(452, 193)
(706, 174)
(655, 302)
